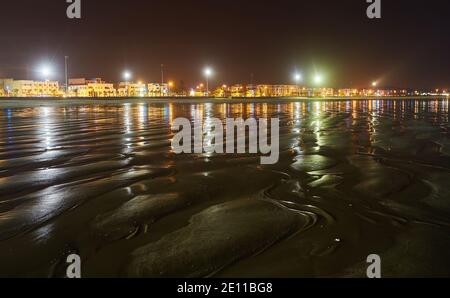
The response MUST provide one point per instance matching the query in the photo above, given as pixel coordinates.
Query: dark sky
(408, 47)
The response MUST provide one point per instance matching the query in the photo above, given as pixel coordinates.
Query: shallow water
(354, 178)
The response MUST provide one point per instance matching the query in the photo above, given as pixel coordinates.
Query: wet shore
(99, 178)
(57, 101)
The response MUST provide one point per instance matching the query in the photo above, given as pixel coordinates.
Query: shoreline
(10, 102)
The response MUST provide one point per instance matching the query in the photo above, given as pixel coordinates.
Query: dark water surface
(354, 178)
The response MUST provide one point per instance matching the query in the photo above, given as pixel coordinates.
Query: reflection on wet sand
(354, 178)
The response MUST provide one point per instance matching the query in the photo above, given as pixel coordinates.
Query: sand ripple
(354, 178)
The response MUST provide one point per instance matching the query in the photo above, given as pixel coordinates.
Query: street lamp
(298, 78)
(318, 79)
(169, 85)
(66, 73)
(374, 84)
(46, 71)
(208, 73)
(127, 76)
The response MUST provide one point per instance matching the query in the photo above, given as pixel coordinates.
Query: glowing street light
(207, 72)
(170, 84)
(46, 71)
(298, 78)
(318, 79)
(374, 84)
(127, 77)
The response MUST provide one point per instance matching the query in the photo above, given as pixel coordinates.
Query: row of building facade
(81, 87)
(99, 88)
(28, 88)
(300, 91)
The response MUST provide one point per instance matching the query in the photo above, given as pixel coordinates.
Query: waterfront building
(222, 91)
(386, 93)
(238, 90)
(251, 90)
(158, 89)
(323, 92)
(132, 89)
(348, 92)
(82, 87)
(367, 92)
(277, 90)
(6, 86)
(28, 88)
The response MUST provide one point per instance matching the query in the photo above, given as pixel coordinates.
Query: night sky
(408, 47)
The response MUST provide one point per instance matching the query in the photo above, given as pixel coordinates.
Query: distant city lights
(311, 84)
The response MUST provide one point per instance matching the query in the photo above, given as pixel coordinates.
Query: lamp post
(127, 77)
(66, 72)
(162, 80)
(169, 85)
(298, 79)
(318, 79)
(46, 72)
(208, 73)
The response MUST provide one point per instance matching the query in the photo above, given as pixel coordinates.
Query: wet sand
(98, 178)
(6, 102)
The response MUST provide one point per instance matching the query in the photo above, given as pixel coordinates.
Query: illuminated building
(348, 92)
(238, 90)
(251, 90)
(222, 91)
(158, 89)
(90, 88)
(132, 89)
(28, 88)
(277, 90)
(6, 86)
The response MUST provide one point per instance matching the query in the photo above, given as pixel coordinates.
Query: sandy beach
(99, 178)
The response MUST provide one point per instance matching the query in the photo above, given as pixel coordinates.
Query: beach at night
(101, 180)
(212, 148)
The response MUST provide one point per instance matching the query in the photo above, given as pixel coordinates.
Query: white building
(158, 89)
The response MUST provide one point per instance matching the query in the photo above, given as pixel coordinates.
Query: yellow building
(237, 90)
(323, 92)
(348, 92)
(28, 88)
(90, 88)
(6, 87)
(277, 90)
(132, 89)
